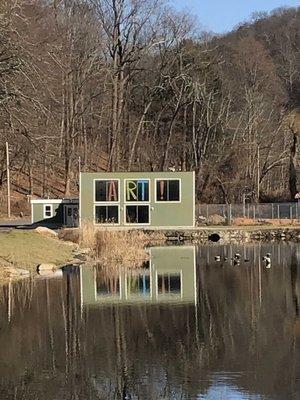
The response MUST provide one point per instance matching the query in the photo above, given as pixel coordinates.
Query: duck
(236, 259)
(267, 260)
(217, 258)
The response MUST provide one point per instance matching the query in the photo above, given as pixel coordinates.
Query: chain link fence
(261, 211)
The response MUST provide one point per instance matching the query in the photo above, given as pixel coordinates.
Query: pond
(184, 326)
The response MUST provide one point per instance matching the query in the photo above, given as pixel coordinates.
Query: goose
(217, 258)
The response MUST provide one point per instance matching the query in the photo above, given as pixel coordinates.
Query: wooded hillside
(133, 85)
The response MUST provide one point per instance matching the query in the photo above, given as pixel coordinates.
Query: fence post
(228, 219)
(206, 211)
(278, 216)
(291, 211)
(254, 212)
(272, 211)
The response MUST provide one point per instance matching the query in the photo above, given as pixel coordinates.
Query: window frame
(137, 204)
(44, 211)
(106, 202)
(167, 201)
(137, 201)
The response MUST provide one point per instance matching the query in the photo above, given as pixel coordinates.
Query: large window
(137, 214)
(106, 214)
(136, 190)
(107, 190)
(168, 190)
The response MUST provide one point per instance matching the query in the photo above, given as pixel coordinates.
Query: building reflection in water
(169, 276)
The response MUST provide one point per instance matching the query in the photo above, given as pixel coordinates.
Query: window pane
(161, 190)
(131, 214)
(143, 190)
(106, 190)
(107, 214)
(137, 190)
(100, 190)
(174, 190)
(113, 214)
(143, 214)
(100, 214)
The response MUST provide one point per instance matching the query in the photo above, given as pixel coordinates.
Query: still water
(183, 327)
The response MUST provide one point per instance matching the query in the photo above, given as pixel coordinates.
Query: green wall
(161, 214)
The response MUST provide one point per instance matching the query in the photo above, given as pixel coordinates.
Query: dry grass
(271, 222)
(118, 248)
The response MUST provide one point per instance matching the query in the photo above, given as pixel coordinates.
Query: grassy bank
(27, 249)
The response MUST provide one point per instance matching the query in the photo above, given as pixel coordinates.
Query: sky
(221, 16)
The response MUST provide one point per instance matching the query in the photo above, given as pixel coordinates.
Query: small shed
(55, 212)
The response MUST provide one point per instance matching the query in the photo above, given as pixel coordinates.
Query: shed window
(168, 190)
(107, 190)
(137, 190)
(48, 211)
(137, 214)
(107, 214)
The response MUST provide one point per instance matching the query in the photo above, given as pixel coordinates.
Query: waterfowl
(217, 258)
(267, 260)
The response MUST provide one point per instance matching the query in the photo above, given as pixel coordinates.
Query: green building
(170, 278)
(127, 199)
(132, 199)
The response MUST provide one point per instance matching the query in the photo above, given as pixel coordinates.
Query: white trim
(54, 201)
(44, 211)
(167, 201)
(104, 204)
(137, 223)
(46, 201)
(137, 201)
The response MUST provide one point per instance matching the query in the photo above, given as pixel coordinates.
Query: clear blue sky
(222, 15)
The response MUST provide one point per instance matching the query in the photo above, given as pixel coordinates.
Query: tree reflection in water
(237, 336)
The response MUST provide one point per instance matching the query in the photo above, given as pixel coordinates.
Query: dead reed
(118, 248)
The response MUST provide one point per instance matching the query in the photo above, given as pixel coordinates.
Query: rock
(81, 257)
(69, 235)
(86, 250)
(42, 230)
(215, 219)
(72, 244)
(46, 267)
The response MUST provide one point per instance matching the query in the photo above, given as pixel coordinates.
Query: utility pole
(8, 180)
(258, 175)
